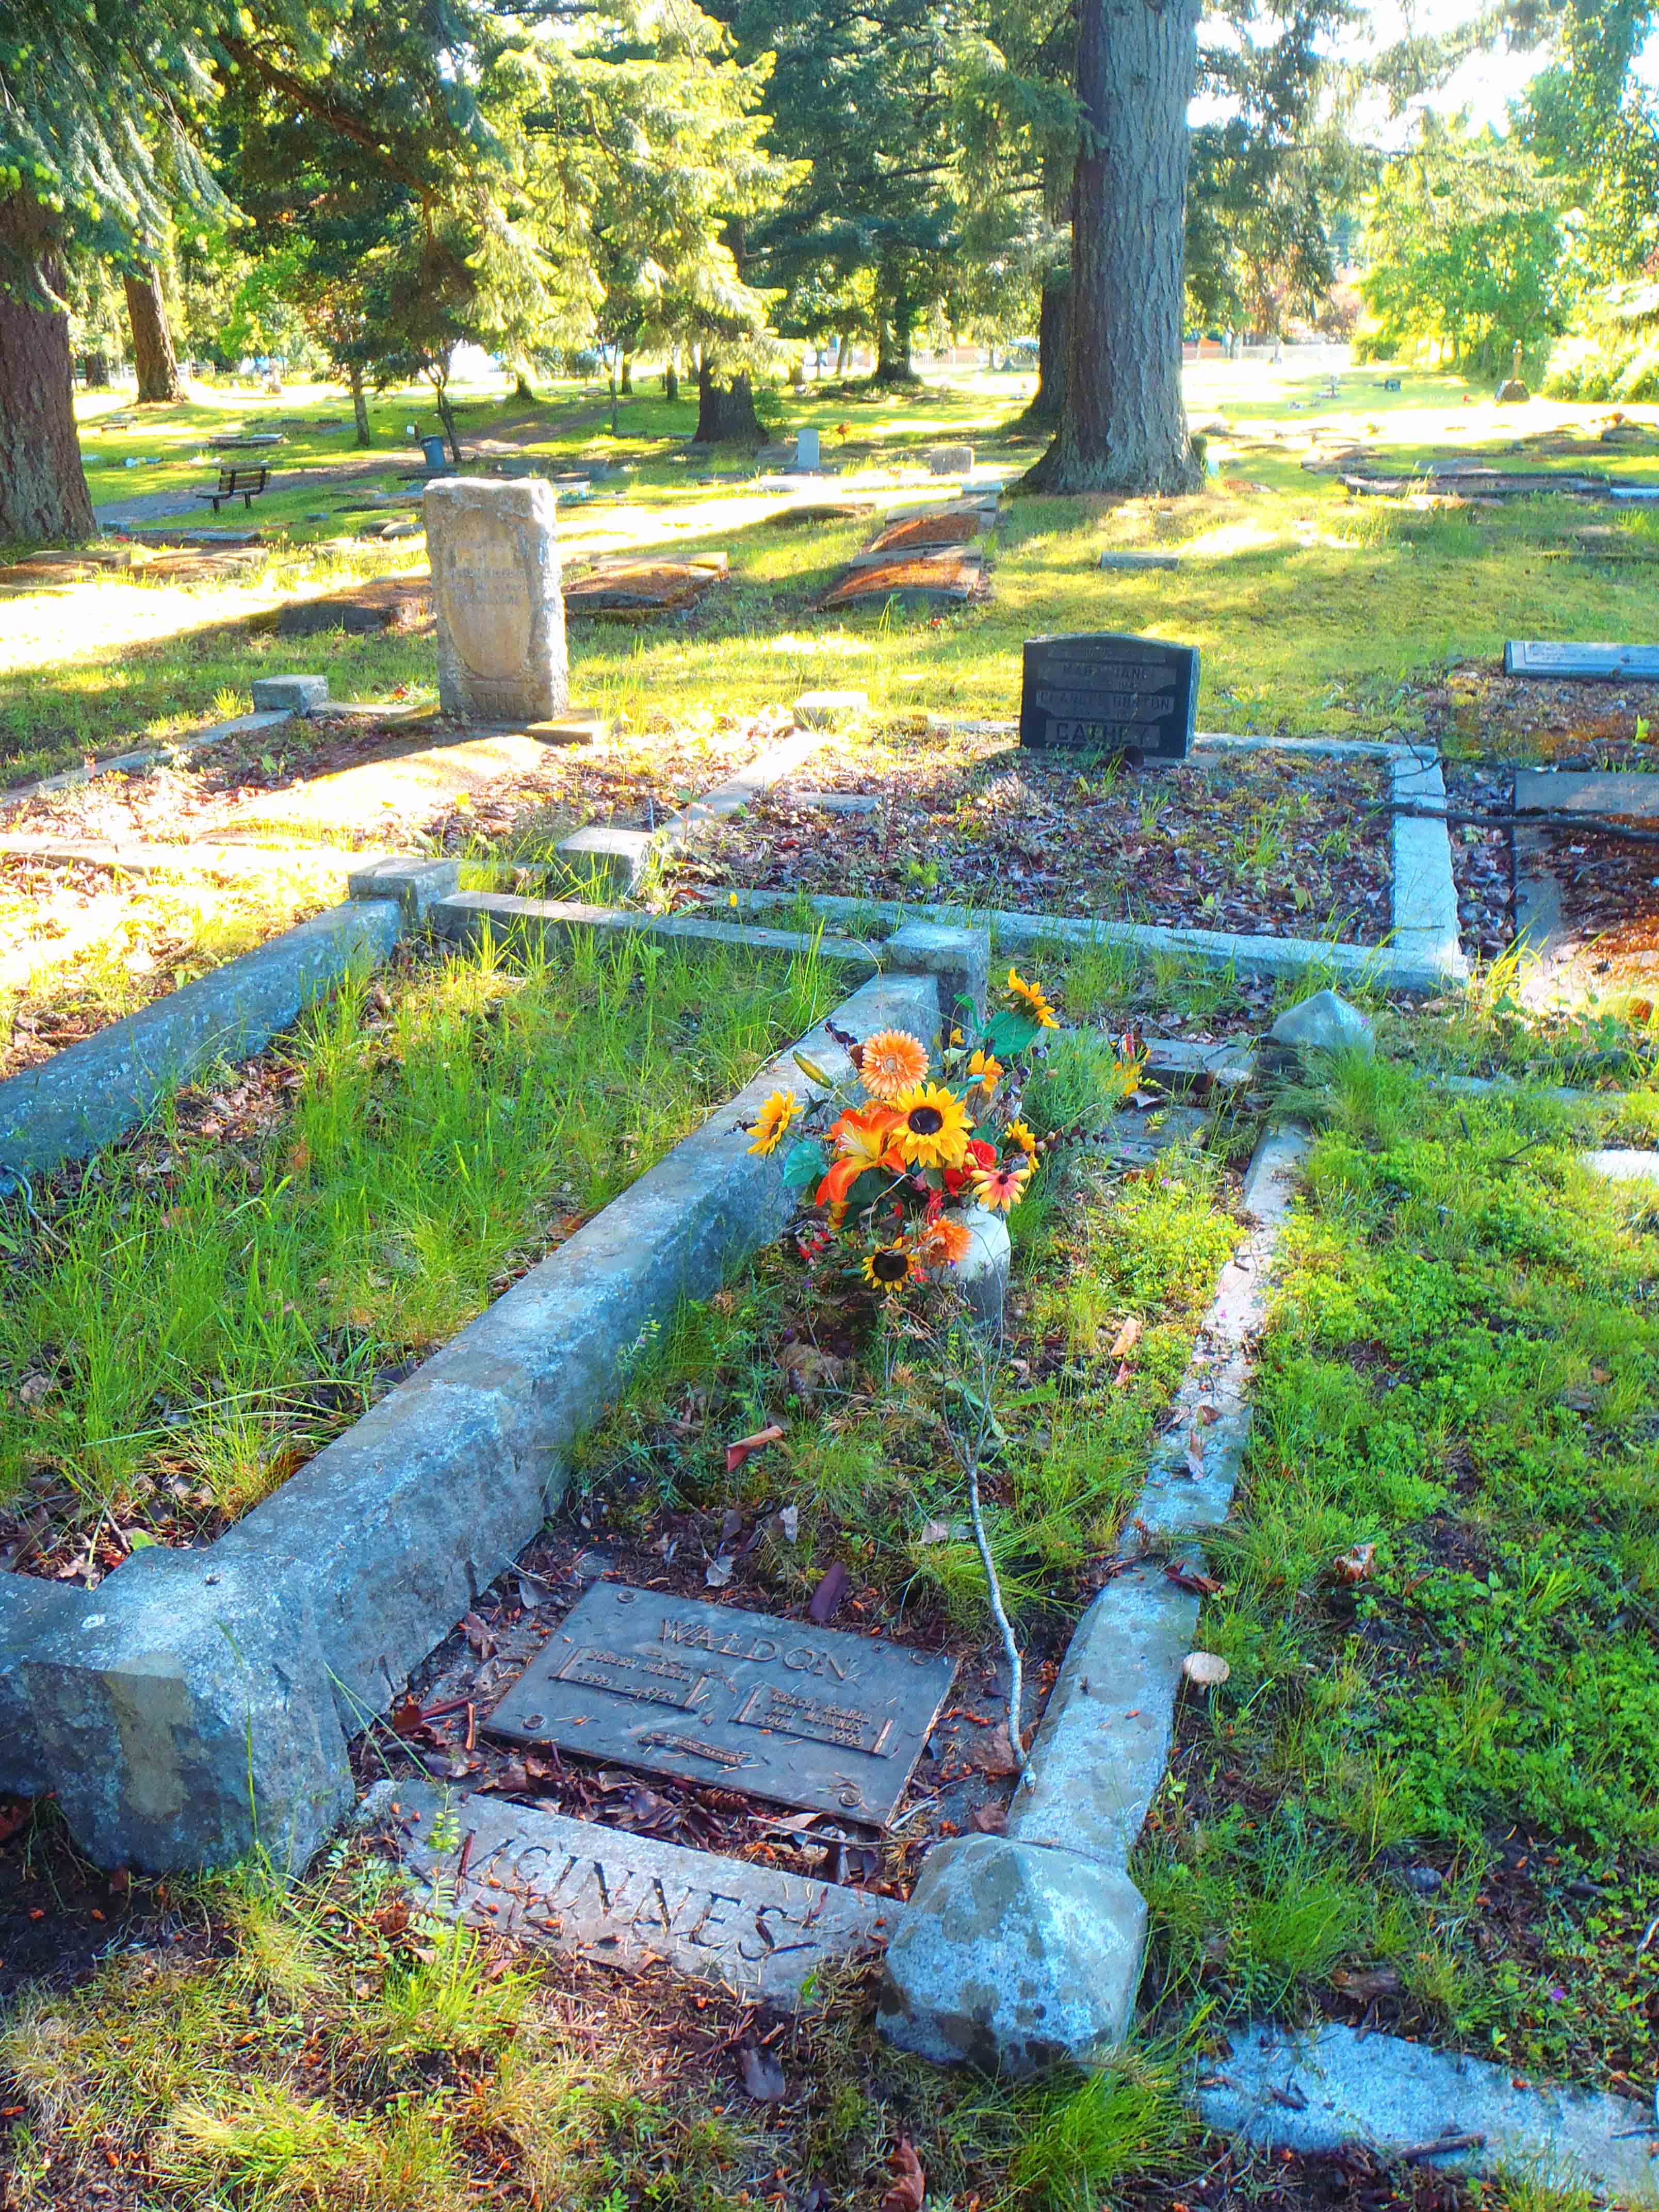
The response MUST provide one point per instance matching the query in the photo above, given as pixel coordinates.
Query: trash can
(437, 460)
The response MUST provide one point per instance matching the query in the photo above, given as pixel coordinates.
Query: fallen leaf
(762, 2077)
(1367, 1982)
(829, 1595)
(1195, 1452)
(934, 1532)
(479, 1637)
(1127, 1339)
(991, 1820)
(789, 1522)
(993, 1754)
(737, 1453)
(1192, 1578)
(1205, 1668)
(32, 1388)
(1355, 1566)
(909, 2184)
(718, 1573)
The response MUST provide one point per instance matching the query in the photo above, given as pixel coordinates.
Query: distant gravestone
(951, 460)
(806, 450)
(1094, 692)
(500, 612)
(780, 1709)
(1580, 663)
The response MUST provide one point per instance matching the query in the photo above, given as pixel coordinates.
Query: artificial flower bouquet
(893, 1168)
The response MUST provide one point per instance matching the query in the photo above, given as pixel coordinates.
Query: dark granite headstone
(785, 1711)
(1094, 693)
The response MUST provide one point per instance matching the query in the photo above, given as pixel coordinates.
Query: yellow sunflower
(890, 1266)
(1000, 1188)
(1017, 1134)
(932, 1131)
(1032, 1001)
(774, 1119)
(987, 1070)
(892, 1060)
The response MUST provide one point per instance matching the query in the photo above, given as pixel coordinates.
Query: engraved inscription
(782, 1710)
(653, 1680)
(1108, 693)
(785, 1714)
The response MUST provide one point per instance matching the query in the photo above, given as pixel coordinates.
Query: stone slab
(950, 460)
(1629, 792)
(602, 857)
(1611, 663)
(777, 1709)
(829, 710)
(774, 766)
(1315, 2091)
(298, 695)
(468, 916)
(1624, 1165)
(557, 1884)
(494, 551)
(1130, 560)
(1231, 1063)
(100, 1087)
(836, 802)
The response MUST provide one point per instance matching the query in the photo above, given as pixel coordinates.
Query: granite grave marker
(1095, 692)
(785, 1711)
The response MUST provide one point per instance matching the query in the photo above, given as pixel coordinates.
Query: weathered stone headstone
(501, 613)
(950, 460)
(626, 1900)
(1579, 663)
(806, 449)
(1096, 692)
(780, 1709)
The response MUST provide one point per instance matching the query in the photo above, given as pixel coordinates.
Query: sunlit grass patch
(198, 1322)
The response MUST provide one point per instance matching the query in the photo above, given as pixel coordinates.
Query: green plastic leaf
(1007, 1033)
(804, 1164)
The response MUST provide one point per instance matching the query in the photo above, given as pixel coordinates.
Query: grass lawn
(190, 1316)
(1315, 612)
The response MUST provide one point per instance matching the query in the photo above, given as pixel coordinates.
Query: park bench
(244, 484)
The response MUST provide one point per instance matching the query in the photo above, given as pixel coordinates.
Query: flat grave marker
(1569, 662)
(1562, 792)
(780, 1709)
(624, 1900)
(1096, 692)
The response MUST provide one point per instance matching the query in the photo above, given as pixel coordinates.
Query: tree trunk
(97, 372)
(626, 385)
(843, 353)
(43, 487)
(671, 377)
(522, 389)
(893, 325)
(1054, 337)
(152, 340)
(726, 412)
(359, 405)
(1123, 426)
(446, 416)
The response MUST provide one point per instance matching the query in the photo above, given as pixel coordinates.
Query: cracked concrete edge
(1103, 1744)
(1315, 2090)
(387, 1537)
(1375, 965)
(1426, 922)
(96, 1089)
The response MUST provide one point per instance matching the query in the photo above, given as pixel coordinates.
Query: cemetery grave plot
(86, 944)
(401, 604)
(854, 1519)
(1482, 713)
(635, 590)
(1482, 860)
(1270, 844)
(189, 1316)
(1449, 1834)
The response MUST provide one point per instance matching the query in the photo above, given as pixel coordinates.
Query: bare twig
(1542, 817)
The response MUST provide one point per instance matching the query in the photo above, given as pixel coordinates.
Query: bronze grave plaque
(798, 1715)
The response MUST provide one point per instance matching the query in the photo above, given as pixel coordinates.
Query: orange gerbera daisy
(945, 1242)
(932, 1130)
(892, 1060)
(1000, 1189)
(774, 1117)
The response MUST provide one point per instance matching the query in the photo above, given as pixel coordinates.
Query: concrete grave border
(1020, 1951)
(197, 1703)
